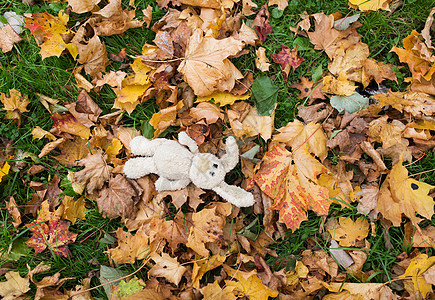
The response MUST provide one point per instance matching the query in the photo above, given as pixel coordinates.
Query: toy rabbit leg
(163, 184)
(235, 195)
(137, 167)
(141, 146)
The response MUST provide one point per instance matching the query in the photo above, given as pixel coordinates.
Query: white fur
(177, 166)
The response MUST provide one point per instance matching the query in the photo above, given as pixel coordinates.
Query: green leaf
(129, 288)
(318, 72)
(108, 274)
(351, 104)
(147, 130)
(303, 43)
(277, 13)
(264, 93)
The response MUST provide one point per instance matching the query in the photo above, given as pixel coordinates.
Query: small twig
(415, 160)
(422, 172)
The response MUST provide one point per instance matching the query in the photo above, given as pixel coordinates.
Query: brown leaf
(82, 6)
(309, 89)
(14, 212)
(14, 104)
(116, 200)
(261, 61)
(130, 247)
(314, 113)
(8, 37)
(85, 110)
(14, 286)
(73, 151)
(69, 124)
(167, 267)
(261, 23)
(95, 173)
(208, 111)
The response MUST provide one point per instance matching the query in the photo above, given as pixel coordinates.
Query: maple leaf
(291, 180)
(69, 124)
(207, 227)
(401, 194)
(213, 291)
(82, 6)
(339, 86)
(377, 71)
(73, 209)
(8, 37)
(55, 236)
(14, 286)
(349, 232)
(50, 31)
(413, 103)
(167, 267)
(248, 285)
(117, 199)
(287, 58)
(223, 98)
(130, 247)
(95, 173)
(365, 5)
(360, 291)
(282, 4)
(72, 151)
(308, 89)
(207, 111)
(419, 265)
(206, 67)
(319, 261)
(200, 267)
(165, 118)
(261, 23)
(14, 104)
(173, 231)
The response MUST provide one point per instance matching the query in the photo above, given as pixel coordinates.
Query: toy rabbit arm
(185, 140)
(235, 195)
(231, 157)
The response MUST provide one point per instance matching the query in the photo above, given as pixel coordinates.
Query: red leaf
(287, 58)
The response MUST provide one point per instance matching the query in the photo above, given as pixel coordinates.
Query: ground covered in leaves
(331, 104)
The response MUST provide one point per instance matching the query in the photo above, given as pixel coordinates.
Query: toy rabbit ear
(231, 157)
(235, 195)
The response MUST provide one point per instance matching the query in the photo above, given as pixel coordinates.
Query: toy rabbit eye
(211, 173)
(215, 166)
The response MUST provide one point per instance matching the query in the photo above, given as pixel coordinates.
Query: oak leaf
(8, 37)
(14, 104)
(206, 67)
(248, 285)
(349, 232)
(287, 58)
(95, 173)
(54, 235)
(130, 247)
(167, 267)
(401, 194)
(51, 30)
(117, 198)
(14, 286)
(291, 180)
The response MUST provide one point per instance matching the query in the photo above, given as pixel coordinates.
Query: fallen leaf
(117, 198)
(319, 261)
(213, 291)
(415, 270)
(248, 285)
(68, 123)
(14, 104)
(349, 232)
(130, 247)
(413, 103)
(282, 4)
(73, 209)
(14, 212)
(200, 267)
(287, 58)
(365, 5)
(167, 267)
(261, 23)
(8, 37)
(51, 30)
(349, 104)
(264, 93)
(290, 179)
(55, 236)
(261, 61)
(82, 6)
(308, 89)
(389, 134)
(95, 173)
(401, 194)
(72, 151)
(339, 86)
(39, 133)
(377, 71)
(14, 286)
(360, 291)
(207, 111)
(4, 170)
(223, 98)
(206, 66)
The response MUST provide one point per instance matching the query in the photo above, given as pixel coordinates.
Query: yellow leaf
(223, 98)
(415, 270)
(114, 149)
(213, 291)
(130, 247)
(359, 291)
(349, 232)
(73, 209)
(39, 133)
(339, 86)
(14, 104)
(248, 285)
(401, 194)
(374, 5)
(202, 266)
(4, 170)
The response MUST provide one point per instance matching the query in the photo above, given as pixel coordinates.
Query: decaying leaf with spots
(207, 227)
(349, 232)
(167, 267)
(291, 180)
(288, 59)
(54, 235)
(309, 89)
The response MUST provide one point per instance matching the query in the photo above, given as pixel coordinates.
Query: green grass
(23, 69)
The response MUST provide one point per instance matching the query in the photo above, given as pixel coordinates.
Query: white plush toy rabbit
(177, 166)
